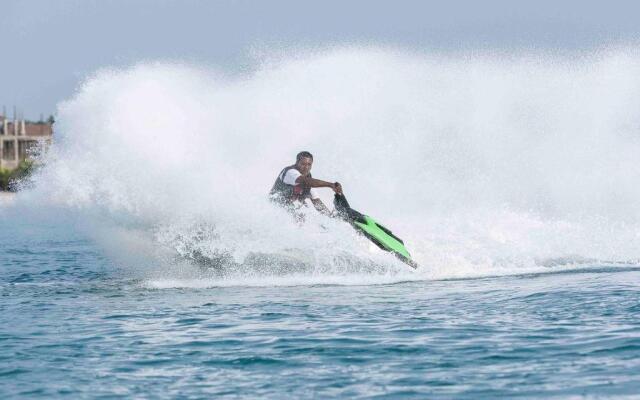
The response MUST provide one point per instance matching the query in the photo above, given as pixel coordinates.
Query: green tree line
(9, 178)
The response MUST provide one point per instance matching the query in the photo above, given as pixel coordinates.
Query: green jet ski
(375, 232)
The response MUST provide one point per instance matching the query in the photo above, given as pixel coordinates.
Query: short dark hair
(304, 154)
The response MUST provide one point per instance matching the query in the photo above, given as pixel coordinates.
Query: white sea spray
(484, 163)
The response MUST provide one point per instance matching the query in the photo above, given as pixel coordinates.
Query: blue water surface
(75, 325)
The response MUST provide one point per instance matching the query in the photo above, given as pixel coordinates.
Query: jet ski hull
(377, 233)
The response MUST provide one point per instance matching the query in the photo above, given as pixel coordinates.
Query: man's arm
(317, 183)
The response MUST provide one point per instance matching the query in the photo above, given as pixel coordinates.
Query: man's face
(304, 165)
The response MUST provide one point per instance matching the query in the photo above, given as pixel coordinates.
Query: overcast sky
(50, 45)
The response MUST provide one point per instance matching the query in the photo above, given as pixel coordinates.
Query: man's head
(304, 161)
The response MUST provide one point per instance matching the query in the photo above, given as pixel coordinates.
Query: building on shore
(19, 137)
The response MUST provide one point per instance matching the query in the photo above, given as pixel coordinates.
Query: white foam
(484, 163)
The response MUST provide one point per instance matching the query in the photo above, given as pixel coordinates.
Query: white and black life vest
(287, 194)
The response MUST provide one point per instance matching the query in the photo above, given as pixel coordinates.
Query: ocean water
(143, 259)
(75, 326)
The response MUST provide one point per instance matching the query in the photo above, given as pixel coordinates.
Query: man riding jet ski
(295, 185)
